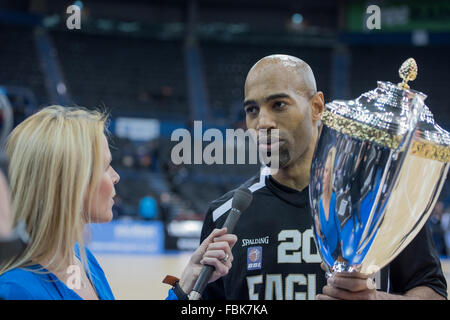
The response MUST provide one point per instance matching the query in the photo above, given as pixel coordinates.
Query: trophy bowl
(379, 165)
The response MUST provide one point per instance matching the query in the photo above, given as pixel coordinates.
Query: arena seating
(146, 77)
(19, 64)
(199, 184)
(227, 65)
(124, 74)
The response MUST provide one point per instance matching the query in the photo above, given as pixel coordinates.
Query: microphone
(241, 200)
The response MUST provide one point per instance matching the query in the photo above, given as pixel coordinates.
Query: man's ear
(317, 103)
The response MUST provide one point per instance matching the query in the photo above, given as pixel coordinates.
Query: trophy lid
(387, 107)
(430, 140)
(382, 114)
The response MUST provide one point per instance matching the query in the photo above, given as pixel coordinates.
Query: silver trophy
(378, 168)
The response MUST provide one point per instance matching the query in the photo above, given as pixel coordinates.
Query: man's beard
(285, 157)
(281, 161)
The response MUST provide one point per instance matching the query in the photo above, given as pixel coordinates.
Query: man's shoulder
(223, 203)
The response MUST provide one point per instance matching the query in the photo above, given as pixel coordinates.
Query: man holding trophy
(353, 174)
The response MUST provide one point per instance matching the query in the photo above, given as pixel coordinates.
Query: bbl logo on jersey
(254, 258)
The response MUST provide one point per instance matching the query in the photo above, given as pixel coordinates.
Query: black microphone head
(241, 199)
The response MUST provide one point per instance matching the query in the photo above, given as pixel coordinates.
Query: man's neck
(296, 176)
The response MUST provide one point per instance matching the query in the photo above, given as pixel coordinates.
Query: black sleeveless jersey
(276, 257)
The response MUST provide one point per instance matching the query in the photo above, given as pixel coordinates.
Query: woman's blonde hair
(55, 166)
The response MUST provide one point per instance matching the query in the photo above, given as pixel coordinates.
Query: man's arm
(424, 293)
(418, 293)
(359, 287)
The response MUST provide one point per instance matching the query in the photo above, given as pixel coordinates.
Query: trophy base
(340, 266)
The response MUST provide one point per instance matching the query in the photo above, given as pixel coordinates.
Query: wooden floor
(140, 277)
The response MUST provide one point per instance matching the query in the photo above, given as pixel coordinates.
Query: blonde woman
(61, 179)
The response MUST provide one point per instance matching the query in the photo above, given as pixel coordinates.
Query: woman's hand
(215, 251)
